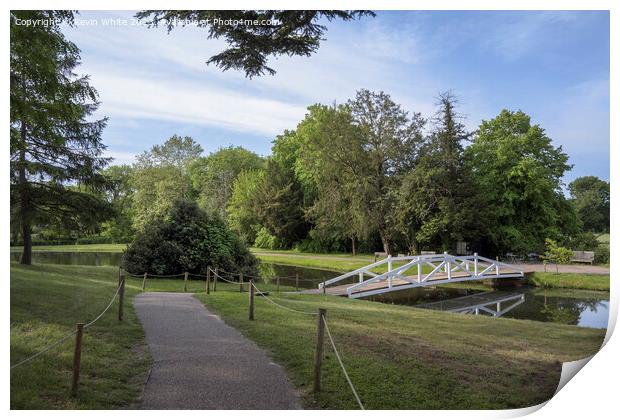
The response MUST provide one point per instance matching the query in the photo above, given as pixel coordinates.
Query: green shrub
(188, 239)
(584, 241)
(601, 254)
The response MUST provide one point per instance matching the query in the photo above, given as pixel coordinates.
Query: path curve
(202, 363)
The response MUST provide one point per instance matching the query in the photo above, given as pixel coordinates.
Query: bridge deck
(341, 289)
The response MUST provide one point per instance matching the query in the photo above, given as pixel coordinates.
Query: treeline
(365, 176)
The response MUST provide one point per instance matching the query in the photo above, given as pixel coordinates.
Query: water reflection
(564, 306)
(495, 303)
(72, 258)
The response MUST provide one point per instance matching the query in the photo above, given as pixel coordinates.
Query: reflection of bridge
(489, 302)
(418, 271)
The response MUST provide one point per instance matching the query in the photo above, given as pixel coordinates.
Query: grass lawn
(407, 358)
(570, 281)
(46, 303)
(77, 248)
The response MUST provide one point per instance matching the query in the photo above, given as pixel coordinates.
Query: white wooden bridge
(417, 271)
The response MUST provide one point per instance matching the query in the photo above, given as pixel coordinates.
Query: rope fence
(119, 293)
(71, 334)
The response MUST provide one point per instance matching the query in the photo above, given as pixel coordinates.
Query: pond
(565, 306)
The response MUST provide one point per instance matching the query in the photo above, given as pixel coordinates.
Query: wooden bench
(583, 257)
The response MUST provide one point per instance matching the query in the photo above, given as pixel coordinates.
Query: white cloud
(129, 97)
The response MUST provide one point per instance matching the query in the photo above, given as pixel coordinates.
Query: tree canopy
(160, 176)
(591, 198)
(213, 176)
(55, 146)
(255, 35)
(520, 172)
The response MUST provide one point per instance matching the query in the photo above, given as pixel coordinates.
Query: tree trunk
(386, 244)
(24, 201)
(415, 247)
(353, 250)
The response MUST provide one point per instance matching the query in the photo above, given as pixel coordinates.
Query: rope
(154, 275)
(49, 347)
(228, 281)
(106, 308)
(346, 375)
(281, 306)
(72, 333)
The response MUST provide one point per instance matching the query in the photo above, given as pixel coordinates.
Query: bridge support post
(215, 281)
(241, 283)
(389, 262)
(318, 352)
(185, 282)
(475, 264)
(208, 279)
(144, 282)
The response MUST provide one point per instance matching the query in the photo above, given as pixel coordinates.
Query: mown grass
(406, 358)
(570, 281)
(46, 303)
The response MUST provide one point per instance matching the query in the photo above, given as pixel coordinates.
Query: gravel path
(202, 363)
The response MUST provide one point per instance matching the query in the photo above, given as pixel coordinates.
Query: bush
(584, 241)
(188, 239)
(601, 254)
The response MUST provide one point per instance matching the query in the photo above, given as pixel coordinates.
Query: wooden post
(208, 280)
(215, 281)
(278, 284)
(251, 305)
(241, 283)
(144, 282)
(121, 295)
(185, 283)
(318, 353)
(77, 356)
(297, 282)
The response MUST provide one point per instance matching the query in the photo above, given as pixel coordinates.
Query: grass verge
(570, 281)
(406, 358)
(46, 303)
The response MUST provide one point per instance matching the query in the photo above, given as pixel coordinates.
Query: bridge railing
(474, 266)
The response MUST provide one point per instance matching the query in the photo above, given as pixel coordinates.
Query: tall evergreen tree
(438, 202)
(53, 142)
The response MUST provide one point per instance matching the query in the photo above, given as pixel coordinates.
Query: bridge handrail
(352, 273)
(421, 259)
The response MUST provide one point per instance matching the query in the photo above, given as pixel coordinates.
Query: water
(565, 306)
(72, 258)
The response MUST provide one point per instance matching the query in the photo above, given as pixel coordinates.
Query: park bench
(583, 257)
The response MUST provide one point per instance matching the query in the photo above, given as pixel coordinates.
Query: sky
(553, 65)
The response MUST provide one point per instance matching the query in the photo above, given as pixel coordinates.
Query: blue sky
(552, 65)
